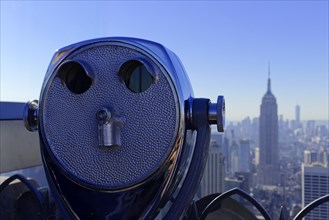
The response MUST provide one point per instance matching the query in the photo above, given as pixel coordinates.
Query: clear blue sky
(224, 46)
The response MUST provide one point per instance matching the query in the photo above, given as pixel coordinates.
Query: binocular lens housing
(136, 76)
(75, 77)
(120, 129)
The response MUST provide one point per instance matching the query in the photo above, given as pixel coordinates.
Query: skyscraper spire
(268, 168)
(269, 78)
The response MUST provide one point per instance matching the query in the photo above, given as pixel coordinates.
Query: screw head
(103, 116)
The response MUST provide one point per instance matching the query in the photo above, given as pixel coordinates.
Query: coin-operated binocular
(121, 134)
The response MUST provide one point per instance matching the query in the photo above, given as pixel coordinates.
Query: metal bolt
(216, 113)
(103, 116)
(30, 115)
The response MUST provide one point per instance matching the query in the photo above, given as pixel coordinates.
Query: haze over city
(224, 46)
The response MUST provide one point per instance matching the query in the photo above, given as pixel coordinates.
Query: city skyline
(224, 46)
(283, 163)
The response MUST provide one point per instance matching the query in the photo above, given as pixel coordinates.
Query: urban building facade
(268, 168)
(213, 180)
(297, 114)
(244, 155)
(315, 183)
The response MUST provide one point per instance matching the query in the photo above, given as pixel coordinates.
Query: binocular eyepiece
(121, 133)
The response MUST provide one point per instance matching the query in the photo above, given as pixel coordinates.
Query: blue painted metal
(193, 177)
(97, 195)
(11, 110)
(37, 195)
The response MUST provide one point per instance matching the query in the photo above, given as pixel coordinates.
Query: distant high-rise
(244, 155)
(268, 168)
(315, 182)
(234, 155)
(225, 151)
(297, 114)
(213, 180)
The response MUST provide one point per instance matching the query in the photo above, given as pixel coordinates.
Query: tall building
(268, 169)
(234, 155)
(244, 155)
(255, 130)
(295, 124)
(225, 151)
(310, 128)
(297, 114)
(324, 157)
(256, 162)
(213, 180)
(315, 183)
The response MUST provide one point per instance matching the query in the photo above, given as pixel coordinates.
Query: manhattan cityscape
(275, 144)
(280, 162)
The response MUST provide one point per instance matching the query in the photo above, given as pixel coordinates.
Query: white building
(315, 183)
(213, 180)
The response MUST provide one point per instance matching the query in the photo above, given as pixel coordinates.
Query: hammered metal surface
(70, 126)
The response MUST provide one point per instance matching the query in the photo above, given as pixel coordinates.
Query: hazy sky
(224, 46)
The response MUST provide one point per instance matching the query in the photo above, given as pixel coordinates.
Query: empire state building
(268, 170)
